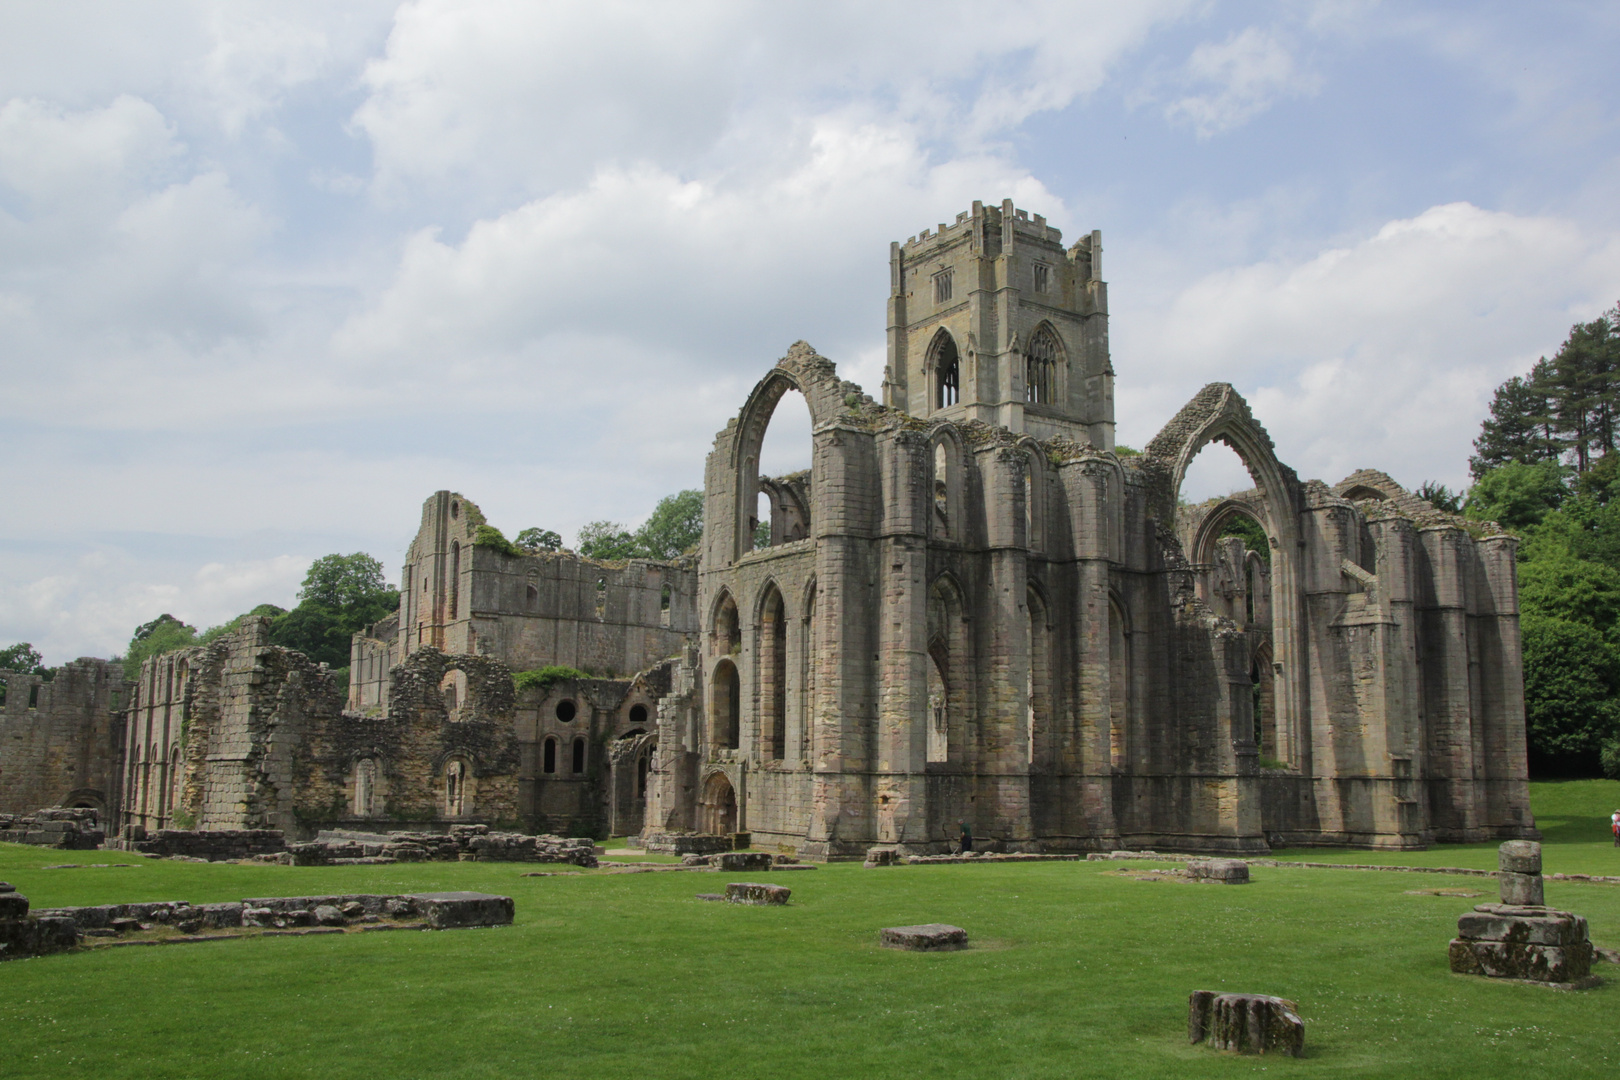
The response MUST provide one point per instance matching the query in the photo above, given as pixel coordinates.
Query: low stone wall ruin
(72, 829)
(462, 843)
(686, 843)
(157, 922)
(215, 845)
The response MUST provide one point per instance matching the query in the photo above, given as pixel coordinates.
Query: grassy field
(1077, 970)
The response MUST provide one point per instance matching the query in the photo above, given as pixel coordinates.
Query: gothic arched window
(946, 369)
(1040, 366)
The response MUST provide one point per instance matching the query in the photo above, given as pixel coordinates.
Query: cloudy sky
(270, 274)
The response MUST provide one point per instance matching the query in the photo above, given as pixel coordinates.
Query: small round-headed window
(455, 510)
(579, 755)
(638, 714)
(548, 762)
(567, 710)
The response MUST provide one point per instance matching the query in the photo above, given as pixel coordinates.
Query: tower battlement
(992, 319)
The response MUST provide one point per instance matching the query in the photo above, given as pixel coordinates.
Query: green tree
(1518, 495)
(213, 633)
(1570, 684)
(1520, 427)
(674, 528)
(539, 540)
(1254, 537)
(343, 581)
(606, 540)
(1561, 586)
(342, 595)
(23, 659)
(163, 634)
(1440, 497)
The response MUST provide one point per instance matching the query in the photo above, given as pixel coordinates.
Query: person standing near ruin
(1614, 827)
(967, 836)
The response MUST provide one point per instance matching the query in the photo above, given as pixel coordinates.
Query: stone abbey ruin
(973, 608)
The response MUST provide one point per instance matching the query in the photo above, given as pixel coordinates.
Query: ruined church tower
(991, 319)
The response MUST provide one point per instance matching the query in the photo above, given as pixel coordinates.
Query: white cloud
(91, 602)
(53, 156)
(1237, 79)
(531, 97)
(1379, 354)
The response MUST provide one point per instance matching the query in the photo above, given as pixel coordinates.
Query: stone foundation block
(742, 860)
(13, 905)
(751, 892)
(449, 909)
(1536, 926)
(1226, 871)
(882, 857)
(1246, 1023)
(1514, 960)
(36, 937)
(1521, 889)
(929, 937)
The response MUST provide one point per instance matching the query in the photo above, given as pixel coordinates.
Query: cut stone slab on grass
(1225, 871)
(444, 910)
(1246, 1023)
(929, 937)
(752, 892)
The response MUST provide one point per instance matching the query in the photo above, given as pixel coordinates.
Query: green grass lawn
(1077, 971)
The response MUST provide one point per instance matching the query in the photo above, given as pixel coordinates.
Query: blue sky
(271, 274)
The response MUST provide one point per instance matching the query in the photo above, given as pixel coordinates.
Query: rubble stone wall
(59, 739)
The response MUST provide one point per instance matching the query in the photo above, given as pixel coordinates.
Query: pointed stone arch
(770, 670)
(943, 364)
(1045, 366)
(1218, 413)
(950, 646)
(949, 463)
(816, 379)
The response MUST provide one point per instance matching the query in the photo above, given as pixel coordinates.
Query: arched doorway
(717, 810)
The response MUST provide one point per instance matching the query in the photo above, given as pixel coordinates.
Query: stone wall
(1016, 628)
(530, 610)
(59, 740)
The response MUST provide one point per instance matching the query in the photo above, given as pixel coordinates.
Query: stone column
(902, 743)
(1003, 745)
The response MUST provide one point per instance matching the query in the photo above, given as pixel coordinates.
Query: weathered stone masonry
(975, 610)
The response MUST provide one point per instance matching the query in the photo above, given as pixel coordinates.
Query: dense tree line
(1545, 467)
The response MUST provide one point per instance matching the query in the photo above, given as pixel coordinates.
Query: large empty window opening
(945, 369)
(777, 509)
(773, 675)
(726, 703)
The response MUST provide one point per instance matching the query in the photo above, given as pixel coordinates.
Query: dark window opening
(548, 761)
(579, 755)
(566, 711)
(638, 714)
(641, 777)
(33, 696)
(942, 287)
(1043, 277)
(947, 371)
(533, 596)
